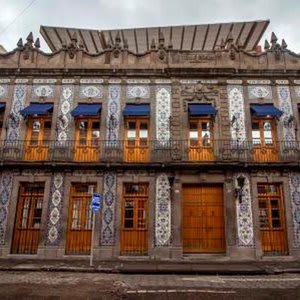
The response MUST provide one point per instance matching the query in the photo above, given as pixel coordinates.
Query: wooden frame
(272, 219)
(26, 236)
(201, 148)
(262, 150)
(37, 144)
(87, 148)
(137, 148)
(203, 218)
(134, 227)
(79, 225)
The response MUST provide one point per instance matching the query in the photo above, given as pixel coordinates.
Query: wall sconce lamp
(240, 187)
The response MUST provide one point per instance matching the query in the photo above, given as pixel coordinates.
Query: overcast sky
(284, 15)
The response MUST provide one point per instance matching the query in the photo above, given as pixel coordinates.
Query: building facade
(189, 133)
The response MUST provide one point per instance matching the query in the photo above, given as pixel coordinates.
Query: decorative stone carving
(64, 119)
(44, 81)
(91, 81)
(199, 92)
(4, 80)
(244, 215)
(90, 91)
(43, 90)
(138, 91)
(138, 81)
(108, 215)
(3, 90)
(294, 181)
(236, 112)
(163, 113)
(260, 91)
(285, 105)
(6, 183)
(163, 211)
(259, 82)
(114, 110)
(54, 210)
(15, 119)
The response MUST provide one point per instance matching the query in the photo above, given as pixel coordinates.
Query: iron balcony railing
(150, 151)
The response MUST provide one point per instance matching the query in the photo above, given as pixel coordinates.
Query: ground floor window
(26, 236)
(272, 219)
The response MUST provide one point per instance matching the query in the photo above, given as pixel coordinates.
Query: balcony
(220, 151)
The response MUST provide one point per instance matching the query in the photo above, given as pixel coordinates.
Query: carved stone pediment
(199, 93)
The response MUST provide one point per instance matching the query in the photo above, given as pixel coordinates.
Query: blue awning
(262, 110)
(84, 109)
(37, 109)
(2, 107)
(136, 110)
(201, 110)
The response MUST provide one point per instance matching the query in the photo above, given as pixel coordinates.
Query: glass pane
(83, 125)
(144, 130)
(128, 204)
(75, 216)
(205, 126)
(131, 134)
(47, 125)
(205, 138)
(128, 224)
(275, 213)
(276, 223)
(194, 135)
(25, 211)
(128, 213)
(274, 203)
(193, 126)
(256, 136)
(131, 125)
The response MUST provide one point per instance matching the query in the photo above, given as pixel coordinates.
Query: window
(39, 131)
(263, 132)
(88, 132)
(200, 132)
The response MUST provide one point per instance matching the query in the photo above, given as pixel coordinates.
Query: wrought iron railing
(152, 151)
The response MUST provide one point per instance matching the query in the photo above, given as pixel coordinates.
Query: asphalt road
(67, 285)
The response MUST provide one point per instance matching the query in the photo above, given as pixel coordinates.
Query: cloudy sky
(19, 17)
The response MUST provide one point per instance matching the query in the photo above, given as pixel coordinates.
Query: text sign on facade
(96, 202)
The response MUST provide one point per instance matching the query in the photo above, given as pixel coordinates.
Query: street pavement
(81, 285)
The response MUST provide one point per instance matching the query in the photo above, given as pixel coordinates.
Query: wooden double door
(272, 219)
(200, 139)
(26, 236)
(38, 138)
(203, 219)
(265, 145)
(79, 228)
(87, 140)
(134, 230)
(137, 145)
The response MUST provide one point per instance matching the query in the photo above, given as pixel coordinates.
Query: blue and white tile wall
(108, 212)
(65, 107)
(6, 182)
(163, 113)
(18, 102)
(54, 228)
(113, 112)
(163, 211)
(294, 180)
(285, 105)
(237, 112)
(245, 236)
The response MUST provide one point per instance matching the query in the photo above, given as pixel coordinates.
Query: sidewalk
(153, 267)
